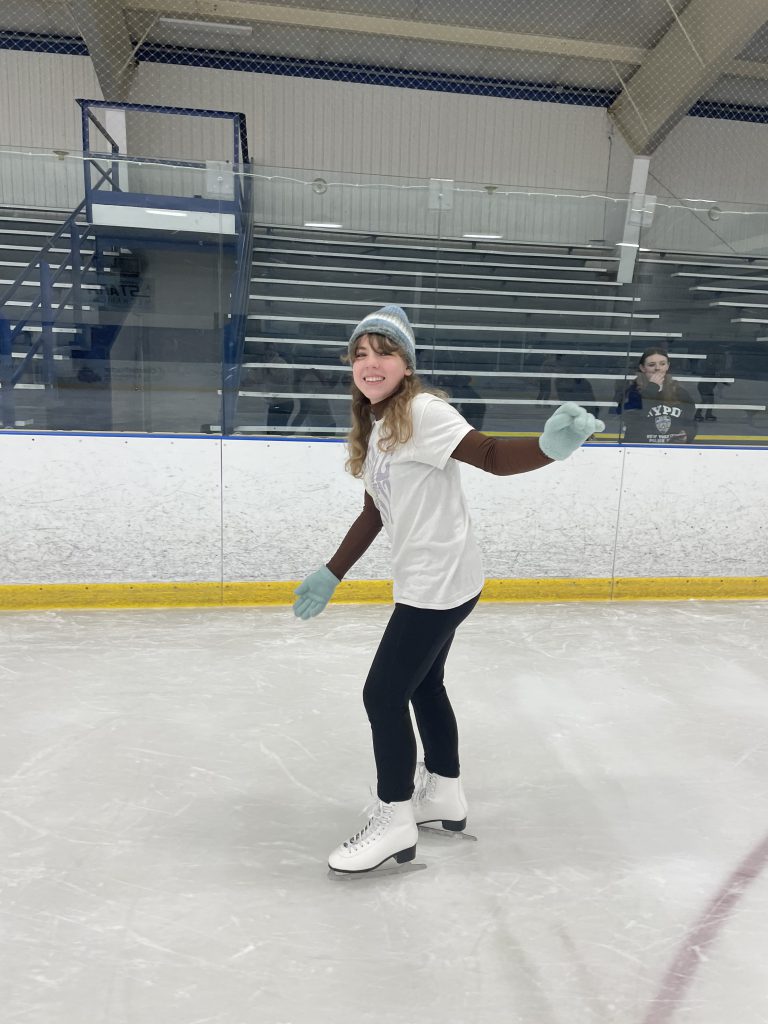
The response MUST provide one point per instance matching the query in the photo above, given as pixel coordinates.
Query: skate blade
(374, 873)
(447, 833)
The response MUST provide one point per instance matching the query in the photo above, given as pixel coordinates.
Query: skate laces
(379, 814)
(425, 782)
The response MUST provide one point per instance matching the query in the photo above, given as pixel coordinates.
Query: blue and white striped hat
(392, 322)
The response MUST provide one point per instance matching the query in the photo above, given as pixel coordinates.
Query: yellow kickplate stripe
(678, 588)
(109, 595)
(205, 595)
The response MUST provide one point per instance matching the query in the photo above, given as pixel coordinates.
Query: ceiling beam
(458, 35)
(103, 27)
(398, 28)
(697, 49)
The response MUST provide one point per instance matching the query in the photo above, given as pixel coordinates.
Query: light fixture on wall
(221, 27)
(322, 224)
(482, 238)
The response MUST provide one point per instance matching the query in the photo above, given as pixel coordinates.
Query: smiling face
(378, 367)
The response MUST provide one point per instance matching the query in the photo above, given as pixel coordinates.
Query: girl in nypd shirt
(405, 443)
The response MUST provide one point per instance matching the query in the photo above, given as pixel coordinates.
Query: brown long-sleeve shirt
(501, 456)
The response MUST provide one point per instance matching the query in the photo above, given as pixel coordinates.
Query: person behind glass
(405, 444)
(656, 409)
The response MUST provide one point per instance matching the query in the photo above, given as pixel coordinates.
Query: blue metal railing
(116, 195)
(43, 311)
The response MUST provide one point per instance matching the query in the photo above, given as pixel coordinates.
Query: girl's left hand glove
(567, 429)
(314, 593)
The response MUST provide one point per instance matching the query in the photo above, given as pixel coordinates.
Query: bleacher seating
(507, 330)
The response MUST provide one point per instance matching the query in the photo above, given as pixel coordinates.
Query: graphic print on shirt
(378, 464)
(662, 415)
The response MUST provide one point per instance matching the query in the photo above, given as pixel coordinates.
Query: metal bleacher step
(434, 273)
(728, 291)
(449, 291)
(56, 284)
(447, 263)
(702, 263)
(20, 229)
(37, 355)
(345, 397)
(57, 306)
(445, 247)
(495, 350)
(534, 373)
(738, 305)
(36, 248)
(458, 309)
(720, 277)
(36, 329)
(503, 329)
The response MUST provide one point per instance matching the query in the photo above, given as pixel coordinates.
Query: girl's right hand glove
(314, 593)
(567, 429)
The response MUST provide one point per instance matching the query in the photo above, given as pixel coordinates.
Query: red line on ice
(682, 970)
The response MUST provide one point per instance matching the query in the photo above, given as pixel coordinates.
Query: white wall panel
(109, 509)
(37, 99)
(296, 122)
(40, 180)
(712, 159)
(143, 509)
(368, 129)
(693, 512)
(288, 505)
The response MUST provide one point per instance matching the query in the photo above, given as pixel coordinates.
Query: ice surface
(172, 783)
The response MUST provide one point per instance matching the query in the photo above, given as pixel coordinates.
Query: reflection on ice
(172, 784)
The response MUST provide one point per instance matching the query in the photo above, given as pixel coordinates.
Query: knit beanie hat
(392, 322)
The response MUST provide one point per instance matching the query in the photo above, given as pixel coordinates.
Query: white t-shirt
(417, 489)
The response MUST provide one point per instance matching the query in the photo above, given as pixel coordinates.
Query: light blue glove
(567, 429)
(314, 593)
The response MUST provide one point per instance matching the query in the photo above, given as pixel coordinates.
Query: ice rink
(173, 781)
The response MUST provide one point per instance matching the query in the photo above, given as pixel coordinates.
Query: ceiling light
(222, 27)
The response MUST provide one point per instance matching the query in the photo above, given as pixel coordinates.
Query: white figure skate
(391, 832)
(439, 804)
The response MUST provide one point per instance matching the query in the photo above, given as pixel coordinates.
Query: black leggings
(408, 666)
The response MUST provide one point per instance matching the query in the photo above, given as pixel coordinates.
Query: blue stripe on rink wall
(404, 78)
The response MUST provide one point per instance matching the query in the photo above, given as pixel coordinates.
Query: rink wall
(109, 521)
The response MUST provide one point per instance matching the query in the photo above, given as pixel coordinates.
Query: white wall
(707, 158)
(394, 133)
(38, 111)
(148, 509)
(37, 99)
(297, 122)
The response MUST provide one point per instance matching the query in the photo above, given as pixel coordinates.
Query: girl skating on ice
(405, 443)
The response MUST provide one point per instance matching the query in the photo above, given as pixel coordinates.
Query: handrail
(19, 281)
(104, 132)
(43, 304)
